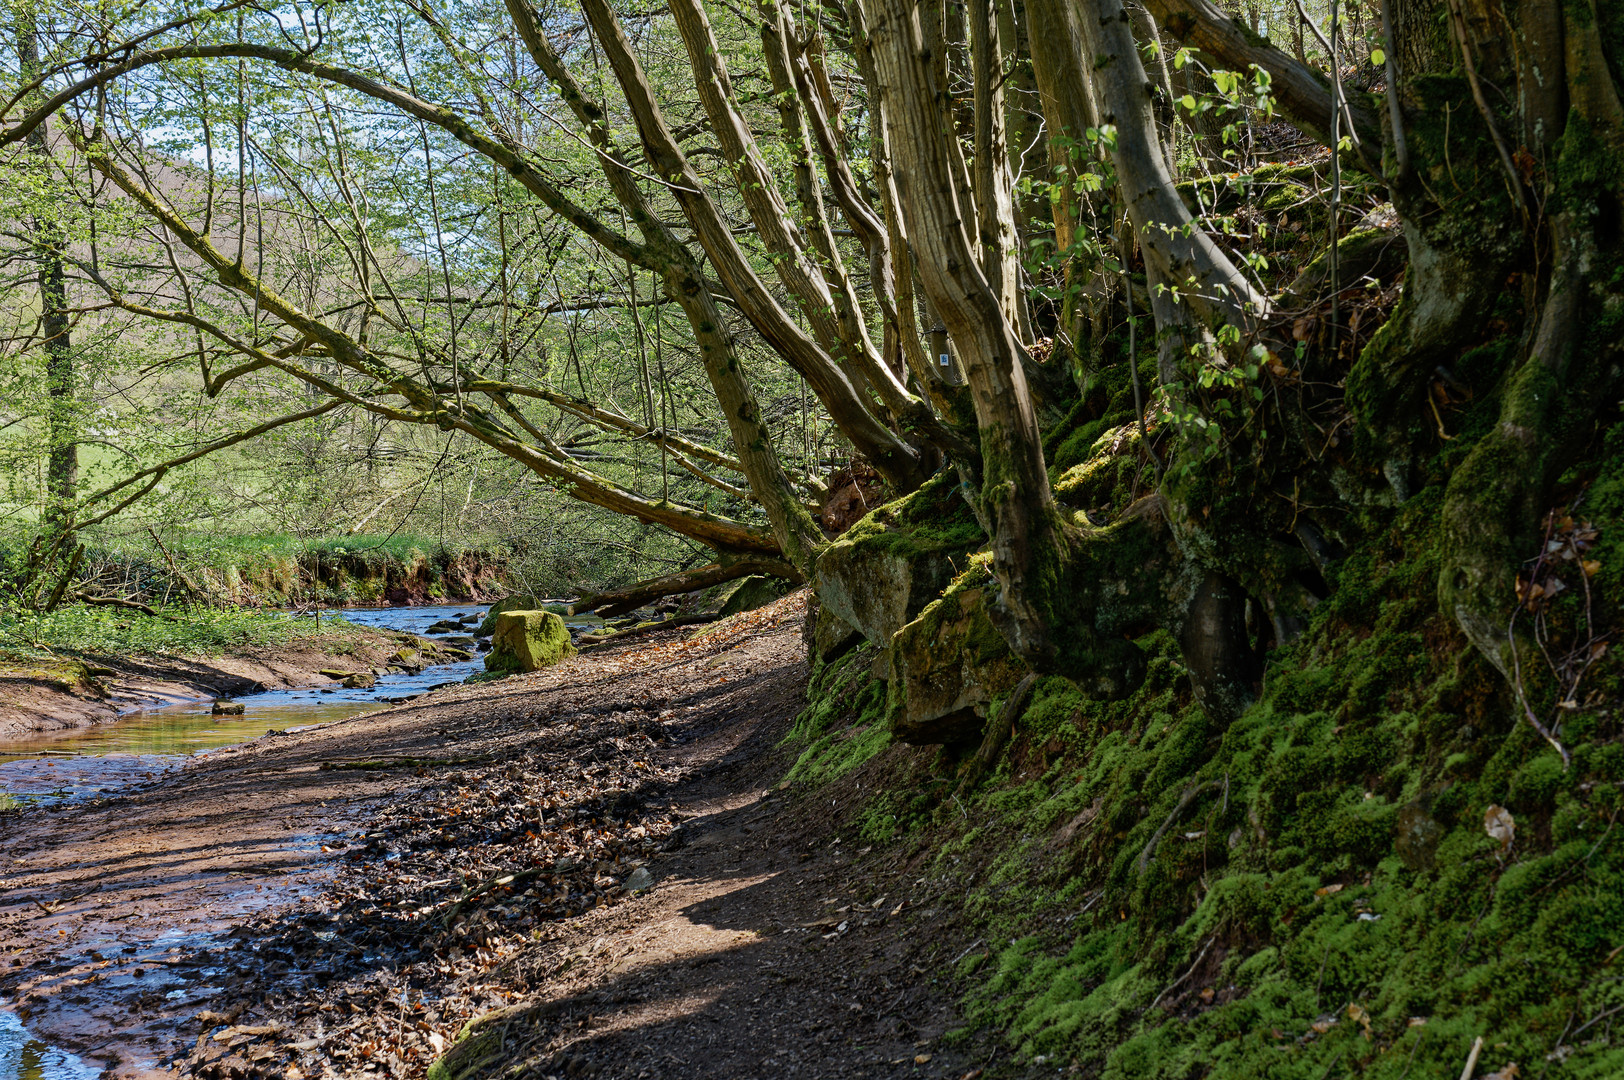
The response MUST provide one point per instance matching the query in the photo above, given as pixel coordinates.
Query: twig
(1200, 956)
(1597, 1020)
(174, 567)
(1421, 1033)
(1189, 796)
(1458, 19)
(1471, 1059)
(1522, 698)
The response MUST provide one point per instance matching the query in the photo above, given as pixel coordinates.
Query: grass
(278, 569)
(195, 632)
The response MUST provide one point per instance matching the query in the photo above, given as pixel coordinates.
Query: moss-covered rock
(517, 602)
(752, 592)
(528, 641)
(883, 571)
(831, 637)
(948, 665)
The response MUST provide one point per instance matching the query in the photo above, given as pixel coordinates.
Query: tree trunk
(61, 379)
(1497, 498)
(899, 462)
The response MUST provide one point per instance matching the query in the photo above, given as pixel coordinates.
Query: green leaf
(1378, 57)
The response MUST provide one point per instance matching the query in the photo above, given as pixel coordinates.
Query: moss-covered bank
(274, 570)
(1314, 891)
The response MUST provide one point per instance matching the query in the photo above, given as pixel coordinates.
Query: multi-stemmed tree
(802, 183)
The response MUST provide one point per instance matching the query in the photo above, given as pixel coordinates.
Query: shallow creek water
(140, 746)
(85, 762)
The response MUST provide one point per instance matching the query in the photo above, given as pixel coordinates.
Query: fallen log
(632, 597)
(648, 628)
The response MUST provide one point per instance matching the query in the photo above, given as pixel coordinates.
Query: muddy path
(595, 858)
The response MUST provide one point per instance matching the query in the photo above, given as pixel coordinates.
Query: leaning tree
(813, 188)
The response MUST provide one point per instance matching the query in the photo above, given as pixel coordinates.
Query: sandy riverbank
(39, 695)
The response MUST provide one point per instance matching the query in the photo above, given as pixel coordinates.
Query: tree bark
(61, 378)
(896, 460)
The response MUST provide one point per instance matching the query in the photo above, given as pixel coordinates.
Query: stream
(87, 763)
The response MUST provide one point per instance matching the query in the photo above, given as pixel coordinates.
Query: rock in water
(226, 708)
(487, 625)
(528, 641)
(361, 680)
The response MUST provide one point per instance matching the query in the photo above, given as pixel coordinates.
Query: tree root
(998, 735)
(1190, 795)
(647, 628)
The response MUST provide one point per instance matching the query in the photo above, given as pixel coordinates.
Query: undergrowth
(275, 569)
(1323, 889)
(843, 726)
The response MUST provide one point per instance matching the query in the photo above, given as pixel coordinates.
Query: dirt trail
(340, 902)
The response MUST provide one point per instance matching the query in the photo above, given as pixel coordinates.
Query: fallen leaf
(1357, 1014)
(1329, 890)
(1500, 825)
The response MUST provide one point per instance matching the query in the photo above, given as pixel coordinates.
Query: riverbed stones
(528, 641)
(360, 680)
(409, 660)
(227, 708)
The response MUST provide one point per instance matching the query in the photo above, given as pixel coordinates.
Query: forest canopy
(710, 267)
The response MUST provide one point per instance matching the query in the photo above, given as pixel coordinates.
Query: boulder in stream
(528, 641)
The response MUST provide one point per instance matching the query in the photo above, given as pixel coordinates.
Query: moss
(1273, 918)
(935, 517)
(842, 726)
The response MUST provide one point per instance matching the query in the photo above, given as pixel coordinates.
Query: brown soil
(349, 921)
(56, 696)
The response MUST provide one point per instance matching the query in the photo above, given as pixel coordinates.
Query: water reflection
(85, 762)
(23, 1057)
